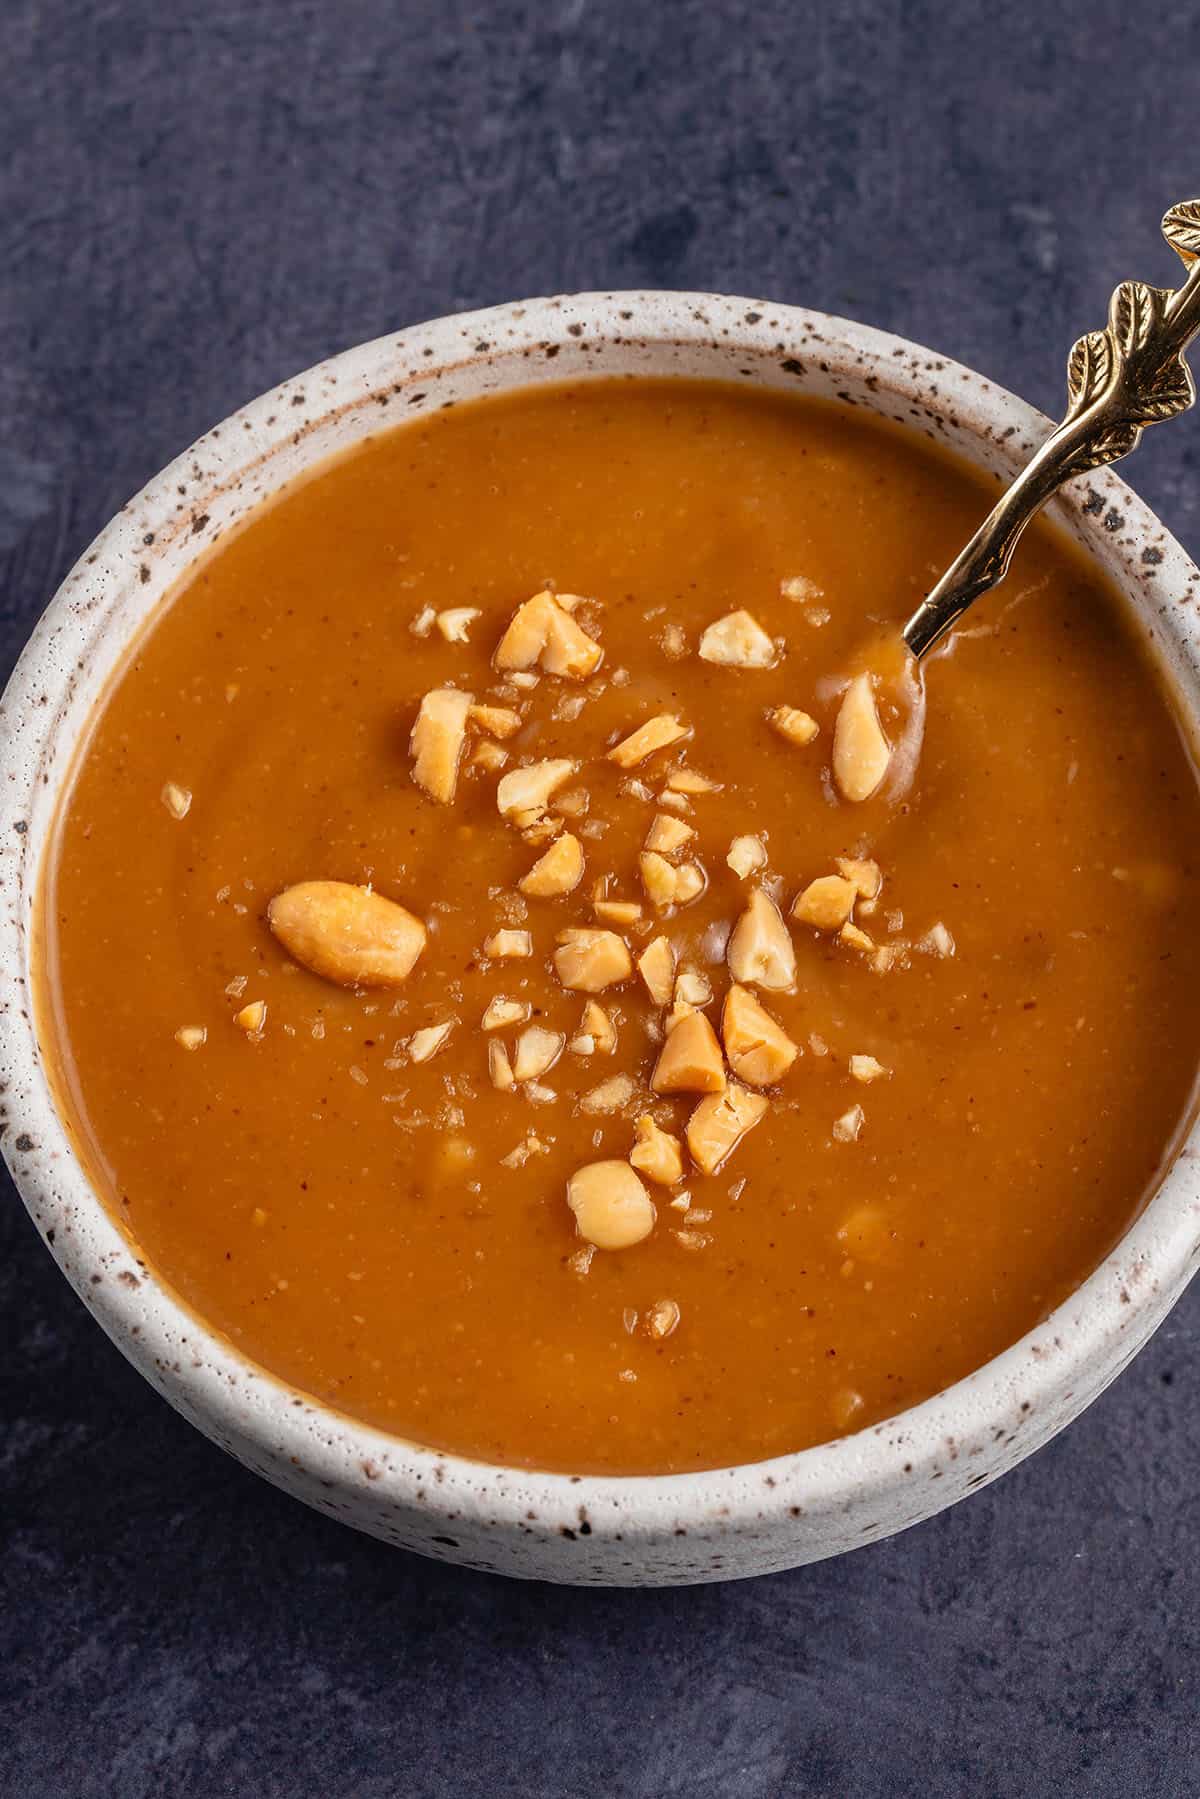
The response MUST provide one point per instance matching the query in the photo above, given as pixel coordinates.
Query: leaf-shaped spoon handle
(1119, 380)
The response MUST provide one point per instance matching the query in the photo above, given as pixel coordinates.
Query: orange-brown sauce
(351, 1225)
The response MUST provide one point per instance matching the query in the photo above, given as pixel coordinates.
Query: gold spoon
(1119, 380)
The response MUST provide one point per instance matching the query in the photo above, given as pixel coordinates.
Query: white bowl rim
(149, 1322)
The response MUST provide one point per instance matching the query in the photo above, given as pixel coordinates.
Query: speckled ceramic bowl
(636, 1531)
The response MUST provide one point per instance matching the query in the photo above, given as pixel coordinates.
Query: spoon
(1119, 380)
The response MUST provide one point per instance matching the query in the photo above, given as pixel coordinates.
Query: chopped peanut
(599, 1027)
(760, 951)
(656, 734)
(347, 934)
(692, 988)
(623, 912)
(719, 1123)
(588, 961)
(867, 876)
(867, 1069)
(690, 1060)
(853, 938)
(437, 740)
(847, 1127)
(252, 1018)
(657, 1154)
(542, 632)
(937, 941)
(490, 756)
(796, 726)
(609, 1096)
(559, 871)
(499, 1067)
(746, 856)
(690, 882)
(667, 885)
(523, 642)
(176, 799)
(529, 789)
(656, 965)
(759, 1049)
(799, 587)
(542, 830)
(737, 641)
(502, 1012)
(666, 835)
(658, 878)
(505, 945)
(569, 651)
(861, 752)
(826, 902)
(497, 721)
(455, 623)
(690, 780)
(661, 1319)
(425, 1043)
(612, 1208)
(537, 1050)
(190, 1036)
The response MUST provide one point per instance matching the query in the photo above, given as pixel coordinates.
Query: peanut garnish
(597, 1025)
(867, 1069)
(690, 780)
(759, 1049)
(537, 1050)
(541, 631)
(658, 878)
(667, 885)
(252, 1018)
(588, 961)
(426, 1042)
(661, 1319)
(609, 1096)
(656, 965)
(760, 951)
(437, 740)
(853, 938)
(190, 1036)
(690, 1060)
(799, 587)
(719, 1123)
(937, 941)
(506, 945)
(502, 1012)
(866, 875)
(499, 1067)
(656, 734)
(737, 641)
(569, 651)
(559, 871)
(826, 903)
(176, 799)
(497, 721)
(624, 912)
(455, 623)
(347, 934)
(422, 624)
(489, 756)
(861, 752)
(528, 790)
(666, 835)
(796, 726)
(657, 1154)
(847, 1127)
(612, 1208)
(746, 856)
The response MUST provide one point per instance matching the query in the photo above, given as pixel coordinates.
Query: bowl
(631, 1531)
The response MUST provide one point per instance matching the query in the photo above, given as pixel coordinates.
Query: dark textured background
(197, 200)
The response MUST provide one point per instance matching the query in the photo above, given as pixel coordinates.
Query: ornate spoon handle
(1118, 381)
